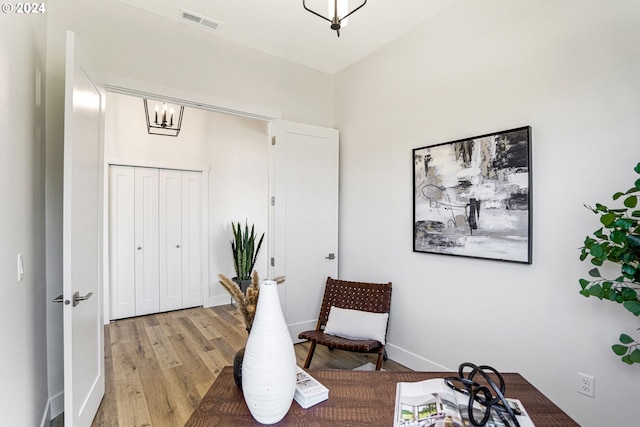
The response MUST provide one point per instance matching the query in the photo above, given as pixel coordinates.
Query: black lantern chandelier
(161, 120)
(337, 8)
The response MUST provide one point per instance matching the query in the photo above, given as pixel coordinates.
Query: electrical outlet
(585, 384)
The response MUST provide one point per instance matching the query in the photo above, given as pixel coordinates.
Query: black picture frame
(472, 197)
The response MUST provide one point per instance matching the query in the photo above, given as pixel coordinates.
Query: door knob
(77, 298)
(331, 256)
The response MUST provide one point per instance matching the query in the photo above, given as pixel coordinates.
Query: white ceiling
(284, 29)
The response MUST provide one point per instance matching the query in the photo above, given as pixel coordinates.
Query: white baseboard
(413, 361)
(217, 300)
(296, 328)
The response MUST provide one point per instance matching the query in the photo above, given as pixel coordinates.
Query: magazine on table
(432, 403)
(308, 390)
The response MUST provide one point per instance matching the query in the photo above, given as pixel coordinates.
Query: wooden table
(356, 398)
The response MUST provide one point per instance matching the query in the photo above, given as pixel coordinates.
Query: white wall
(234, 151)
(569, 69)
(23, 360)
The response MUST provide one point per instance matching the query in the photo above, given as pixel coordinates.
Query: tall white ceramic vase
(269, 365)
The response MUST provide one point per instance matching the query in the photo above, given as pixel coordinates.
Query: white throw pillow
(357, 324)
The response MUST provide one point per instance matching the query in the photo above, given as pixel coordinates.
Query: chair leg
(379, 362)
(310, 355)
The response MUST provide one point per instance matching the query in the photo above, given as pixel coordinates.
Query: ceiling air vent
(195, 18)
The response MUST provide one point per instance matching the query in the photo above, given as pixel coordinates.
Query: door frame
(140, 89)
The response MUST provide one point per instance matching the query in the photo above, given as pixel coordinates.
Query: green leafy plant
(617, 241)
(245, 251)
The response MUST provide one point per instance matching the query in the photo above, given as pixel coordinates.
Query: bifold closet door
(170, 219)
(121, 242)
(180, 225)
(146, 241)
(133, 246)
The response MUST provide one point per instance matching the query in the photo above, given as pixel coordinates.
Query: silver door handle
(331, 256)
(77, 298)
(60, 299)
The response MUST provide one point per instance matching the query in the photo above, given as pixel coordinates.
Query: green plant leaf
(596, 291)
(584, 283)
(596, 251)
(628, 294)
(618, 349)
(617, 195)
(626, 339)
(634, 356)
(624, 223)
(607, 219)
(594, 272)
(596, 261)
(637, 168)
(600, 234)
(633, 306)
(618, 236)
(629, 270)
(631, 202)
(634, 240)
(626, 359)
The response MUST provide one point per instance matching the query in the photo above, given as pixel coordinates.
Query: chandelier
(340, 11)
(161, 121)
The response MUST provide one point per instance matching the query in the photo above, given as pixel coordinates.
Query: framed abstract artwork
(472, 197)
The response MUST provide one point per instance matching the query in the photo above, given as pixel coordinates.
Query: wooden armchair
(365, 297)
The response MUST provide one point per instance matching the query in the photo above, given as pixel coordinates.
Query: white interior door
(170, 238)
(305, 218)
(147, 297)
(82, 240)
(122, 253)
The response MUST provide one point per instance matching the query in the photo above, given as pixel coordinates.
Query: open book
(432, 403)
(308, 390)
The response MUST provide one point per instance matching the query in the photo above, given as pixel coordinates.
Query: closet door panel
(146, 241)
(191, 239)
(121, 242)
(170, 239)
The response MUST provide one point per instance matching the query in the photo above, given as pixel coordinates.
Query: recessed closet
(155, 240)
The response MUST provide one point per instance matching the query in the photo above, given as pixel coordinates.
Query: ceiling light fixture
(336, 8)
(162, 122)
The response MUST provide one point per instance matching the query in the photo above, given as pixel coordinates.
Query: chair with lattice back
(362, 299)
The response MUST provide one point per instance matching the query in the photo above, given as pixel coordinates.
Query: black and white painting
(472, 197)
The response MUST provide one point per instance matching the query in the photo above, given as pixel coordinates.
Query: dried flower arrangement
(248, 302)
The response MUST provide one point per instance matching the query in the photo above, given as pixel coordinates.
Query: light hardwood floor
(159, 366)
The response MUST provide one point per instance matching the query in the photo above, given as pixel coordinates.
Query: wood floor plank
(189, 355)
(132, 405)
(204, 320)
(164, 351)
(162, 409)
(193, 334)
(158, 367)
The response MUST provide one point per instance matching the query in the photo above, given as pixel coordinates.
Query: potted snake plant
(245, 253)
